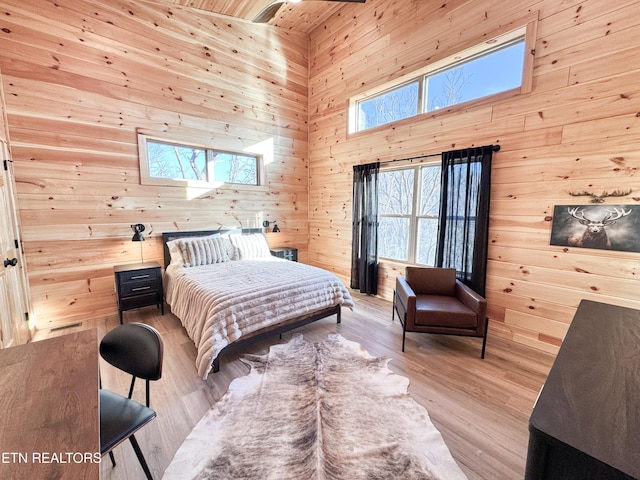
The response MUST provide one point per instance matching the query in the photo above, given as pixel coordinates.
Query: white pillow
(204, 251)
(175, 254)
(249, 246)
(231, 249)
(175, 251)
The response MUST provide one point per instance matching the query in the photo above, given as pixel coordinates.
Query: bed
(227, 289)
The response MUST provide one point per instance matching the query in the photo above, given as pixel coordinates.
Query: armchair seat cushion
(443, 311)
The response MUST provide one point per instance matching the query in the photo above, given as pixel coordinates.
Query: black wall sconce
(267, 223)
(138, 228)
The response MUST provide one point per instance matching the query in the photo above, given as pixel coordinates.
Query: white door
(14, 287)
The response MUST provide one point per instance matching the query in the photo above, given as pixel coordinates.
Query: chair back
(432, 280)
(135, 348)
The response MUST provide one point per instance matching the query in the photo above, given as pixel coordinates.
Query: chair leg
(404, 330)
(133, 382)
(113, 459)
(393, 307)
(141, 459)
(484, 339)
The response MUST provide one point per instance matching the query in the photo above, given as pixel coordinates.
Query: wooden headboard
(168, 236)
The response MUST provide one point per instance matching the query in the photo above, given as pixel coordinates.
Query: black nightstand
(287, 253)
(138, 285)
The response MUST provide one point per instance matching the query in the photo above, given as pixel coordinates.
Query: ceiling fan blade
(268, 12)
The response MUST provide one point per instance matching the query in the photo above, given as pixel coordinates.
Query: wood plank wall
(82, 76)
(579, 129)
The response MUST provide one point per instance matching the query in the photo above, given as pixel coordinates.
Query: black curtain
(463, 231)
(364, 245)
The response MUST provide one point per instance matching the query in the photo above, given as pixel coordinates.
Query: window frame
(147, 179)
(525, 29)
(415, 215)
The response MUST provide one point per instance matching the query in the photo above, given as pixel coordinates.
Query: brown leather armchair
(432, 300)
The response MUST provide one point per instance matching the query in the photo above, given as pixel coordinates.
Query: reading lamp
(266, 224)
(138, 228)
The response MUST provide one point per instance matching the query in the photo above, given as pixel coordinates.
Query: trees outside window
(396, 104)
(175, 161)
(491, 67)
(408, 207)
(486, 74)
(234, 168)
(169, 163)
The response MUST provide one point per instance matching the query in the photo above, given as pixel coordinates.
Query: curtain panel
(364, 245)
(463, 231)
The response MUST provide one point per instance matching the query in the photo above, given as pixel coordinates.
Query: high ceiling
(303, 16)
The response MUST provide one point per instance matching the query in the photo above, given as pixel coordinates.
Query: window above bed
(167, 162)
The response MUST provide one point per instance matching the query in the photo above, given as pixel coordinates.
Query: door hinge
(16, 243)
(26, 316)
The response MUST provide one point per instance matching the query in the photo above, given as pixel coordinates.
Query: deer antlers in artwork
(611, 216)
(595, 198)
(595, 235)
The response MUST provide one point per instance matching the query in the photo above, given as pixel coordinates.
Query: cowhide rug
(320, 411)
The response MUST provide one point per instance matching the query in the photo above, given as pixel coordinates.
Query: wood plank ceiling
(304, 16)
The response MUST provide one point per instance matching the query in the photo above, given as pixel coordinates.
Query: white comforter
(220, 303)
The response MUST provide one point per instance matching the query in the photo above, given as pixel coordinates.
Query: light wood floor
(481, 407)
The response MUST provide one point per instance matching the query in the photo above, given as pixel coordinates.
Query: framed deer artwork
(605, 227)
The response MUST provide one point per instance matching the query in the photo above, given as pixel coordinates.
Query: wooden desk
(586, 422)
(49, 423)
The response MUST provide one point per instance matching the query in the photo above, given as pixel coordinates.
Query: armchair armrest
(405, 297)
(472, 300)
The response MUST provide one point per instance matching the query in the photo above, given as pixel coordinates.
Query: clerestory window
(170, 163)
(493, 67)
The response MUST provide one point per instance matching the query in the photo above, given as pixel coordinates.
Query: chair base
(136, 448)
(403, 322)
(143, 463)
(120, 418)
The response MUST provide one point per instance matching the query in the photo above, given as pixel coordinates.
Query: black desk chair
(137, 349)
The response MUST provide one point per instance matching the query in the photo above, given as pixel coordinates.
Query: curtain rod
(494, 148)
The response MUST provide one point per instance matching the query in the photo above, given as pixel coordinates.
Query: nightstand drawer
(138, 301)
(143, 275)
(128, 289)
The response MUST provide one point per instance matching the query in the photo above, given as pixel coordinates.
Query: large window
(495, 66)
(408, 207)
(170, 163)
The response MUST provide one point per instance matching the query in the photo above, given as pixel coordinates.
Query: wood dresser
(586, 422)
(49, 426)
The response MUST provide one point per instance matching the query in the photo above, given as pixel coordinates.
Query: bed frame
(263, 332)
